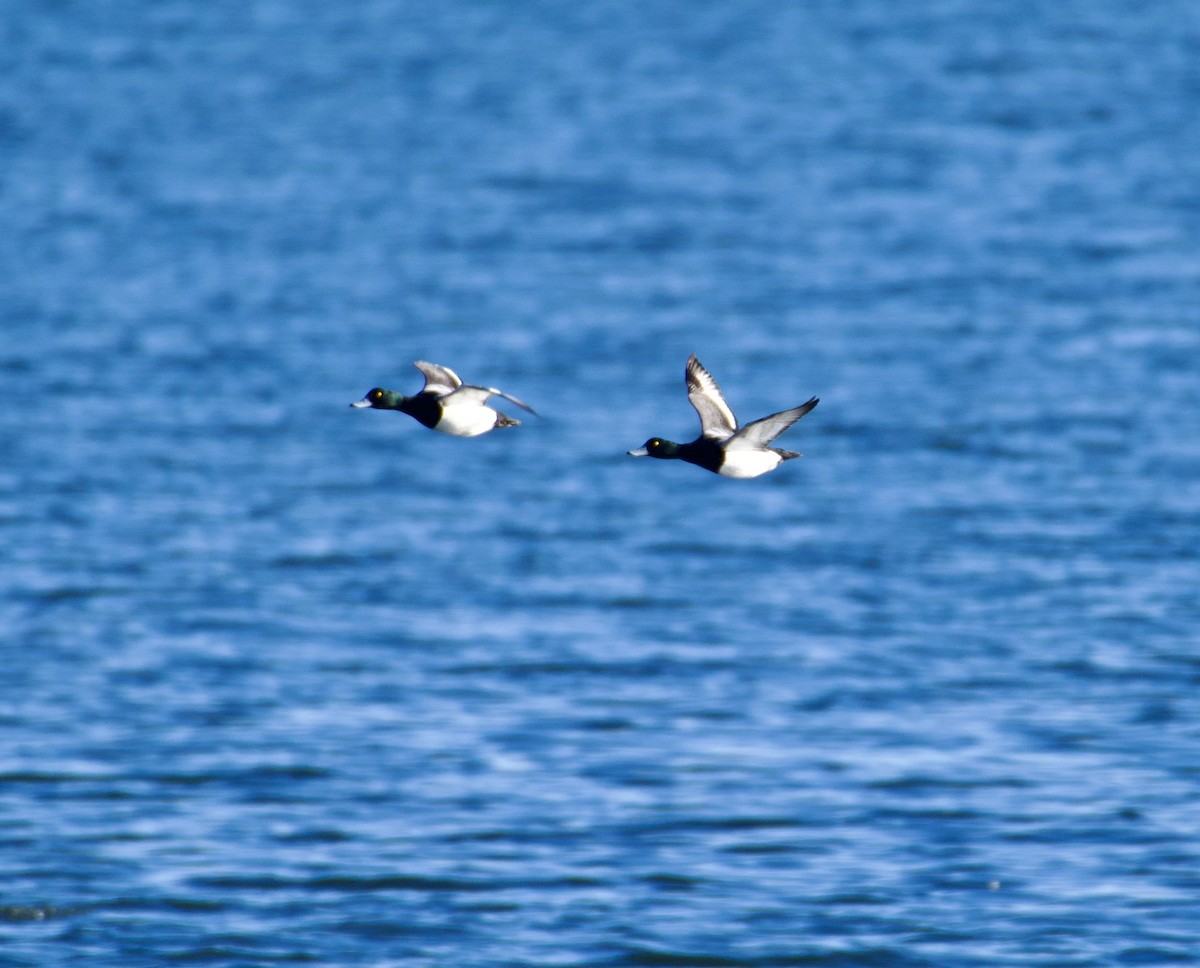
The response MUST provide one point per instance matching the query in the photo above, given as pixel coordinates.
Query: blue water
(286, 682)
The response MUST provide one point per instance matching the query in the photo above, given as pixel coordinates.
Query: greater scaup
(722, 447)
(446, 404)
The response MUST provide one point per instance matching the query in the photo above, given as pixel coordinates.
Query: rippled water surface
(286, 682)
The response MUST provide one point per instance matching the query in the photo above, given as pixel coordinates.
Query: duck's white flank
(748, 463)
(466, 418)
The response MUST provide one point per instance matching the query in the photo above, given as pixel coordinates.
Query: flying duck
(722, 447)
(446, 404)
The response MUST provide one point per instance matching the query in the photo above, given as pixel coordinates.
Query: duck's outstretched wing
(760, 433)
(438, 379)
(716, 419)
(472, 394)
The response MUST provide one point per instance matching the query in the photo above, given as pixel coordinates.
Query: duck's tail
(786, 454)
(504, 420)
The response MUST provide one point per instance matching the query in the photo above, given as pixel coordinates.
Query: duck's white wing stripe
(480, 395)
(438, 378)
(716, 419)
(443, 380)
(760, 433)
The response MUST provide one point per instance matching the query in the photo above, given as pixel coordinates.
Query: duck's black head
(380, 399)
(656, 447)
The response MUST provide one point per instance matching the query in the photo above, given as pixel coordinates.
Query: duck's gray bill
(640, 452)
(364, 402)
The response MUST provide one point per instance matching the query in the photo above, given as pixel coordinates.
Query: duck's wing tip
(468, 392)
(760, 433)
(511, 399)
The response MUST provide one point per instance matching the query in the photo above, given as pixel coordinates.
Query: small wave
(646, 957)
(392, 882)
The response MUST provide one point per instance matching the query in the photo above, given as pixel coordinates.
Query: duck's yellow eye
(376, 394)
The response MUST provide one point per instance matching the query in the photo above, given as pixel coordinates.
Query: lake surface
(286, 682)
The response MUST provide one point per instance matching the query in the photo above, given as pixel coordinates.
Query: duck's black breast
(424, 407)
(703, 452)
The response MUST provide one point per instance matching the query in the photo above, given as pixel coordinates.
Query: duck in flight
(446, 404)
(722, 446)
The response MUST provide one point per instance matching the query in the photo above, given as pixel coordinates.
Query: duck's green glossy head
(656, 447)
(380, 399)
